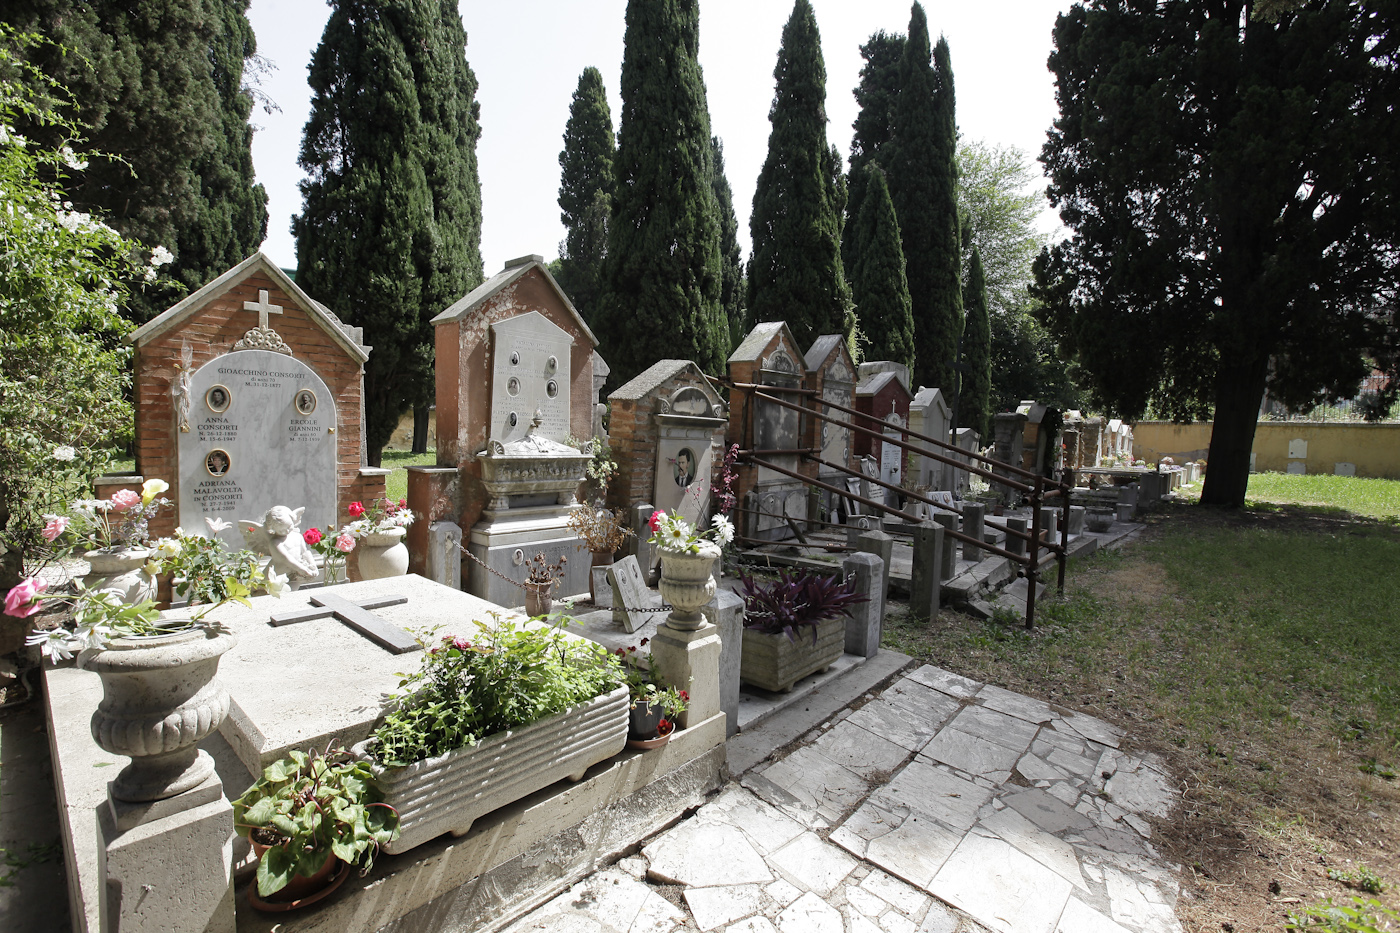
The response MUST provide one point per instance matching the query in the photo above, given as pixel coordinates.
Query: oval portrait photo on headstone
(306, 401)
(685, 467)
(218, 398)
(217, 463)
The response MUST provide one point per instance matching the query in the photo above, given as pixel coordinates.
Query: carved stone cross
(357, 616)
(262, 307)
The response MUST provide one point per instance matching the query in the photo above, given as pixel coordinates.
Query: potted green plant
(654, 705)
(779, 617)
(487, 720)
(602, 532)
(306, 817)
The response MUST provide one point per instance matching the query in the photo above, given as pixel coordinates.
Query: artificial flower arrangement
(655, 705)
(204, 571)
(672, 533)
(383, 516)
(333, 546)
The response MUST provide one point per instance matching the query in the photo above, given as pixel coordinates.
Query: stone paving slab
(940, 805)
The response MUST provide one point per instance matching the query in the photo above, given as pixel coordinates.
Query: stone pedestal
(505, 540)
(690, 660)
(167, 866)
(726, 612)
(444, 557)
(923, 580)
(882, 546)
(433, 494)
(974, 515)
(864, 628)
(948, 559)
(1014, 544)
(646, 553)
(1076, 519)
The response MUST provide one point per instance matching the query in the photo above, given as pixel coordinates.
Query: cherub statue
(279, 537)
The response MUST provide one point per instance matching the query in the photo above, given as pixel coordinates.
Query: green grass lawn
(396, 483)
(1373, 498)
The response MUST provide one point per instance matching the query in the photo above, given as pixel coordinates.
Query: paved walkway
(1014, 816)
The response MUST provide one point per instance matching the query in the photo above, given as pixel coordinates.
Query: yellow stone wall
(1373, 448)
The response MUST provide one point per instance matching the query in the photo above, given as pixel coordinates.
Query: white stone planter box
(448, 793)
(772, 662)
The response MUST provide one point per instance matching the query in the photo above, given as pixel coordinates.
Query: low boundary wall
(1372, 449)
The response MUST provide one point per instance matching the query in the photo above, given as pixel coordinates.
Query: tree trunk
(1239, 389)
(420, 429)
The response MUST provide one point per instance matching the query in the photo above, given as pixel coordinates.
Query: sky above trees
(528, 60)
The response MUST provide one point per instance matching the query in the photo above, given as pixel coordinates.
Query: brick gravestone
(515, 367)
(249, 394)
(883, 398)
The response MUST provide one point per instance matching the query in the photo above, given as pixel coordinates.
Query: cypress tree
(879, 285)
(876, 94)
(390, 229)
(923, 179)
(731, 283)
(160, 85)
(795, 274)
(662, 273)
(585, 191)
(975, 399)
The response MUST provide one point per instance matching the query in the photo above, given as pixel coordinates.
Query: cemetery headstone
(929, 415)
(630, 595)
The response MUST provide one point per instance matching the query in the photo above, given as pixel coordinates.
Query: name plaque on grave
(529, 374)
(262, 433)
(630, 593)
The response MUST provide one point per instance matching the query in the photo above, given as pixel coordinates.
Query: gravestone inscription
(630, 593)
(530, 375)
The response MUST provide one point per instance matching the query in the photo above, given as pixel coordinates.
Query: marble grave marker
(530, 374)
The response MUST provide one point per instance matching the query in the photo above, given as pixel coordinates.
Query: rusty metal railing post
(1033, 564)
(1064, 532)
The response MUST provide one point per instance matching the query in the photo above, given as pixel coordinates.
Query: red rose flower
(403, 503)
(655, 520)
(356, 509)
(312, 535)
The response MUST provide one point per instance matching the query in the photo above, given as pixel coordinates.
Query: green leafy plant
(1362, 878)
(306, 808)
(509, 676)
(646, 687)
(795, 601)
(1362, 916)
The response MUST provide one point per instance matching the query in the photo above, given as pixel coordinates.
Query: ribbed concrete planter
(772, 662)
(448, 793)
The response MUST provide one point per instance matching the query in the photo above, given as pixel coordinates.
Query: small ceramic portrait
(218, 398)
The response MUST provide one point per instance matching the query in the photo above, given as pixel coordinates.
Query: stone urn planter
(121, 572)
(1098, 520)
(687, 583)
(450, 792)
(160, 697)
(772, 662)
(382, 554)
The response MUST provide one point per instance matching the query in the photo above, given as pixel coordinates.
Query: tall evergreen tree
(161, 85)
(876, 96)
(923, 178)
(390, 230)
(663, 269)
(975, 399)
(585, 191)
(732, 292)
(879, 285)
(795, 274)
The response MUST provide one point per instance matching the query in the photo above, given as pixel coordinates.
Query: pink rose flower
(312, 535)
(125, 499)
(54, 528)
(655, 520)
(345, 543)
(22, 600)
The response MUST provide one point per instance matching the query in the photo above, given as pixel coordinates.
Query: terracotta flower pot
(538, 598)
(382, 555)
(301, 891)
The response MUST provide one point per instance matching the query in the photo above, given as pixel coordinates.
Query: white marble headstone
(529, 374)
(630, 593)
(262, 433)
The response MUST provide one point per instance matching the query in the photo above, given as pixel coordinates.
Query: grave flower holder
(688, 583)
(160, 697)
(774, 662)
(121, 572)
(383, 554)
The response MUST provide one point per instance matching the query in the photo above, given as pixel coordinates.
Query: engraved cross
(262, 307)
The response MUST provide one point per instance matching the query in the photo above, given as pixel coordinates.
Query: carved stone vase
(687, 583)
(160, 697)
(121, 572)
(382, 555)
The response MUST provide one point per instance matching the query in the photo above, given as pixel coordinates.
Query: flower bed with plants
(487, 721)
(779, 618)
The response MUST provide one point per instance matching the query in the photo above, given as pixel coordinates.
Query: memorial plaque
(683, 476)
(630, 593)
(529, 374)
(262, 433)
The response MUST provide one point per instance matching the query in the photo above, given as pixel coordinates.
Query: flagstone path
(940, 806)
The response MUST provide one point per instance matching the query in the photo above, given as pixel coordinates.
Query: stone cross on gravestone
(262, 307)
(357, 616)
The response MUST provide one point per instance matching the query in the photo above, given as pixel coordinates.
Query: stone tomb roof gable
(931, 397)
(751, 350)
(347, 337)
(821, 350)
(651, 378)
(515, 269)
(878, 383)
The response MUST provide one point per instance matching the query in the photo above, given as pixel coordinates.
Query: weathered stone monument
(249, 395)
(514, 382)
(883, 398)
(929, 415)
(834, 380)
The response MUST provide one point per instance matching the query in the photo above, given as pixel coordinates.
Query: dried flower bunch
(602, 530)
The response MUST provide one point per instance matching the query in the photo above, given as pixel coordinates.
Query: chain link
(665, 607)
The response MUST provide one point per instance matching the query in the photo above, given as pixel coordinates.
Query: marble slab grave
(529, 373)
(299, 686)
(262, 433)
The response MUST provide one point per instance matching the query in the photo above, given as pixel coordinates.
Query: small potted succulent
(602, 532)
(654, 705)
(379, 530)
(488, 720)
(310, 819)
(793, 626)
(541, 580)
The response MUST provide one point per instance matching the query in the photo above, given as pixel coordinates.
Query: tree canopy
(795, 274)
(732, 292)
(390, 231)
(585, 191)
(661, 279)
(878, 282)
(875, 95)
(1231, 188)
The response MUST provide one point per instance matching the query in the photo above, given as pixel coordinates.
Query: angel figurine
(279, 538)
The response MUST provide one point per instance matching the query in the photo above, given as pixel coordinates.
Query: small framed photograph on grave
(218, 398)
(217, 463)
(684, 470)
(306, 401)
